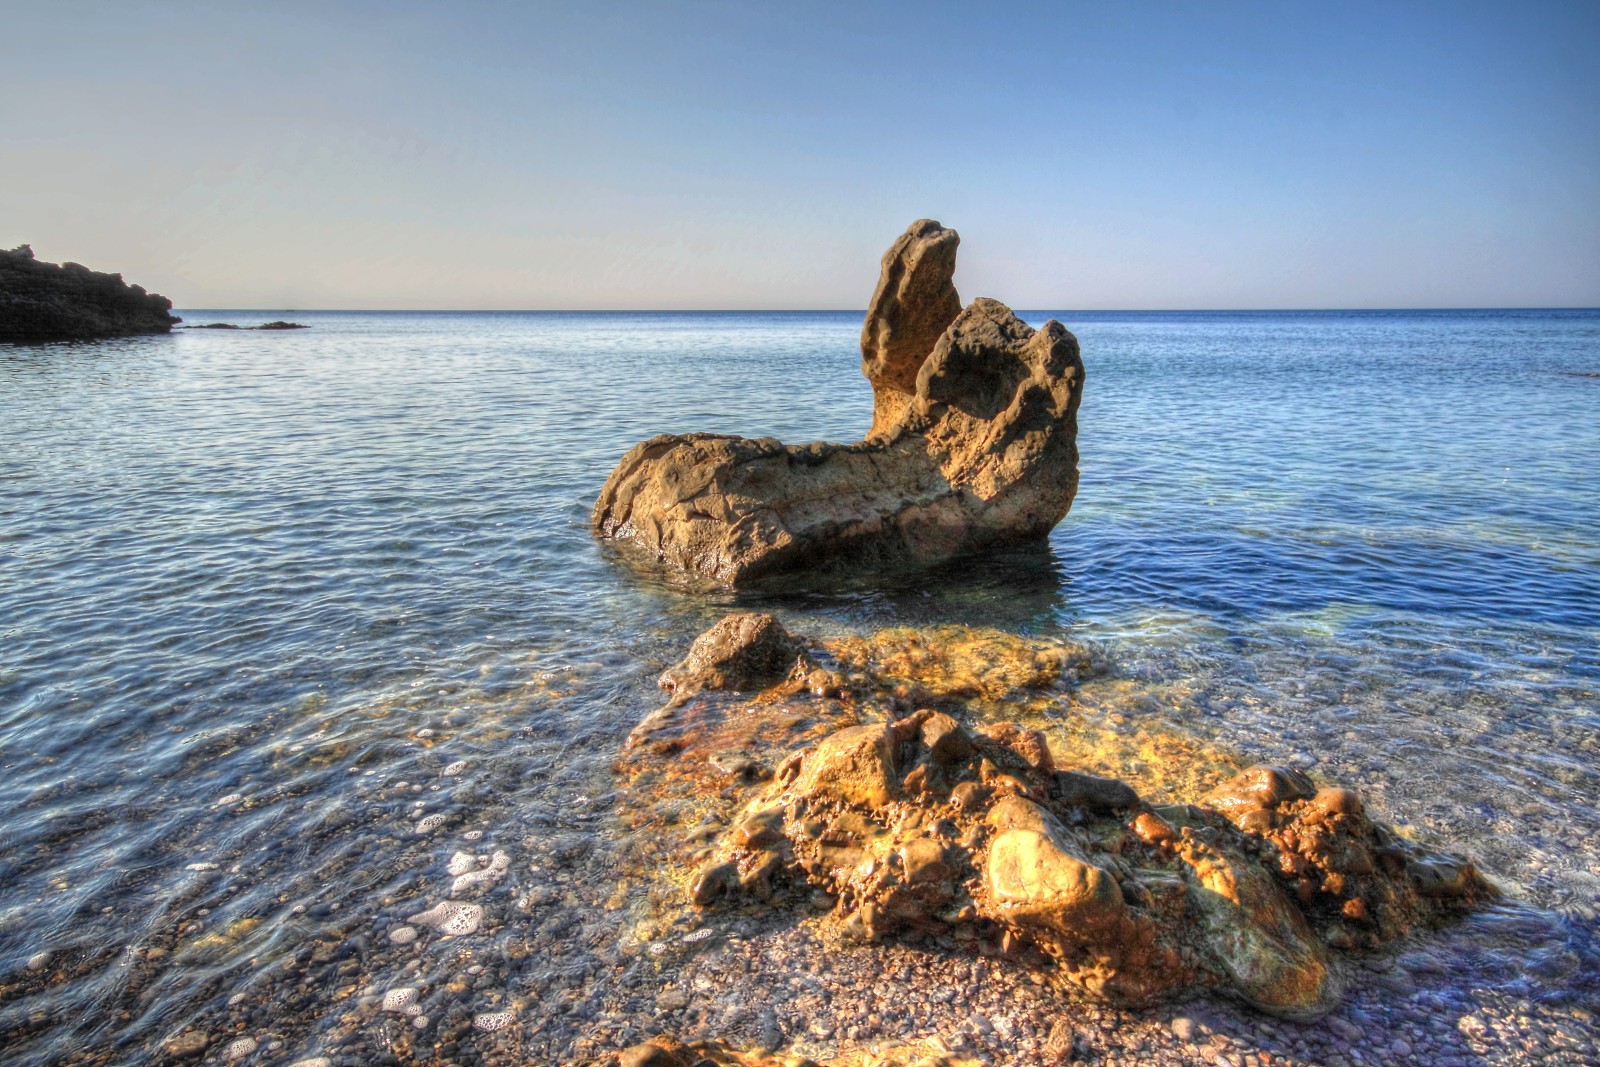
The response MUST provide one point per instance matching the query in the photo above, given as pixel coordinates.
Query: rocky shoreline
(69, 302)
(459, 927)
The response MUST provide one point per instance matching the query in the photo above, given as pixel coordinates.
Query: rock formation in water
(70, 302)
(918, 809)
(277, 324)
(973, 444)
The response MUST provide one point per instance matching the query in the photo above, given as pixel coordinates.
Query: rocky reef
(973, 444)
(885, 787)
(69, 302)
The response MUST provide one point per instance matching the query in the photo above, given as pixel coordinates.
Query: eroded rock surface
(69, 302)
(897, 802)
(973, 444)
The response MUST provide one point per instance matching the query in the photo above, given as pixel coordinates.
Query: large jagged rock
(878, 777)
(924, 827)
(69, 302)
(973, 445)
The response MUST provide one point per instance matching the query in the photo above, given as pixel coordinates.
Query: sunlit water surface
(269, 601)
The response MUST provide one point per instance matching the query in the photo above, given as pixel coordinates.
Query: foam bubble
(452, 918)
(420, 1022)
(472, 835)
(658, 949)
(314, 1061)
(203, 867)
(460, 863)
(401, 1001)
(239, 1048)
(499, 863)
(491, 1021)
(430, 823)
(403, 935)
(699, 935)
(454, 769)
(237, 998)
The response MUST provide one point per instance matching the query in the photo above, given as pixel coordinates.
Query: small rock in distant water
(69, 302)
(276, 324)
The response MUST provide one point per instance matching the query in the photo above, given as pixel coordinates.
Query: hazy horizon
(716, 156)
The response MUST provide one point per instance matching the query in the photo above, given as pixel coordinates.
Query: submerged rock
(973, 445)
(69, 302)
(949, 825)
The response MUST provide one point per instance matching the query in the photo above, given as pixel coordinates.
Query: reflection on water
(298, 630)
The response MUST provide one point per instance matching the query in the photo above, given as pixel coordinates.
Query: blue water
(250, 582)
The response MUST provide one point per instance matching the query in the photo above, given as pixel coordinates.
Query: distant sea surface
(249, 582)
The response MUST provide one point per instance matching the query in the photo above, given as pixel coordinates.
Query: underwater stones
(69, 302)
(188, 1044)
(664, 1050)
(748, 650)
(972, 446)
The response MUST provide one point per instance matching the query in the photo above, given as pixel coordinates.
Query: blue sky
(753, 155)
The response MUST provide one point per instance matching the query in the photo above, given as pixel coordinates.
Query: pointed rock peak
(915, 301)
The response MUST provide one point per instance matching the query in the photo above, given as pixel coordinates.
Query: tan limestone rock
(973, 445)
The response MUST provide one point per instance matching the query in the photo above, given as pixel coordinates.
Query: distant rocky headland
(69, 302)
(973, 445)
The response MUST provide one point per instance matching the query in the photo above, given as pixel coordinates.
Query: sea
(271, 601)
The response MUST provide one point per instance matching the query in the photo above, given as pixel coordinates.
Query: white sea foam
(403, 935)
(429, 823)
(239, 1048)
(492, 1021)
(401, 1001)
(453, 918)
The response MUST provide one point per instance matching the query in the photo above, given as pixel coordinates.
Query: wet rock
(973, 445)
(1132, 904)
(954, 828)
(746, 651)
(189, 1044)
(69, 302)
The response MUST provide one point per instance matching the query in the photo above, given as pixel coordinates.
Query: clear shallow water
(250, 583)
